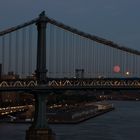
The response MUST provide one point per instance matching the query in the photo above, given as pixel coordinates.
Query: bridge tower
(39, 130)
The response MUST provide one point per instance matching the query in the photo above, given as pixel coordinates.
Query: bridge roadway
(71, 84)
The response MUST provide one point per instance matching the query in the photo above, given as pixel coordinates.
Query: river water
(121, 124)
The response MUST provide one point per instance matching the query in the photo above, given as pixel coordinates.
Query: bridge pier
(39, 130)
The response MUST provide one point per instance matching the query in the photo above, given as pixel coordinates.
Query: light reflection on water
(121, 124)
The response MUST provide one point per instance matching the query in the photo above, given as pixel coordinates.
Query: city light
(127, 73)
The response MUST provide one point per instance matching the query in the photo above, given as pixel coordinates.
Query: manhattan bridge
(45, 55)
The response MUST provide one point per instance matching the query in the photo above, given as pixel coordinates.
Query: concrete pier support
(40, 130)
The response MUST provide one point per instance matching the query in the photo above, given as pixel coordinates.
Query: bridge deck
(71, 84)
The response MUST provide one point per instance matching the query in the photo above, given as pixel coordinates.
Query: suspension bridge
(44, 55)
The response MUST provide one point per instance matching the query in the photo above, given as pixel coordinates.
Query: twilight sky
(118, 20)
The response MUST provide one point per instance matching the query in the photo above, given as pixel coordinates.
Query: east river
(121, 124)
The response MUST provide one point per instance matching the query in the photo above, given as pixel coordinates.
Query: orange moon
(116, 68)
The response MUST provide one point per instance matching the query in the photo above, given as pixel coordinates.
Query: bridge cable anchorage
(92, 37)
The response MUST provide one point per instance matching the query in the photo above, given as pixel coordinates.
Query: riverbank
(67, 114)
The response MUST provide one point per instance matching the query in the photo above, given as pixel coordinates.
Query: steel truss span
(71, 84)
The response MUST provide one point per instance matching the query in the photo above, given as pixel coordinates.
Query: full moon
(116, 68)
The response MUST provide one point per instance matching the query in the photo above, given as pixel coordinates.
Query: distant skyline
(115, 20)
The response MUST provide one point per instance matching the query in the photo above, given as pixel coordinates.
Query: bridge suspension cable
(18, 27)
(70, 52)
(92, 37)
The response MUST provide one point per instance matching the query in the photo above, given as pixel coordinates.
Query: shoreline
(84, 118)
(71, 116)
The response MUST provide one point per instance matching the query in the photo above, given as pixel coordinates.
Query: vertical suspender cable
(53, 52)
(54, 46)
(120, 62)
(70, 55)
(76, 57)
(74, 47)
(102, 60)
(127, 66)
(132, 64)
(64, 47)
(135, 65)
(92, 70)
(66, 53)
(48, 49)
(117, 60)
(111, 65)
(136, 68)
(70, 52)
(94, 60)
(90, 57)
(23, 51)
(97, 61)
(10, 51)
(61, 53)
(114, 62)
(3, 54)
(82, 55)
(16, 52)
(86, 57)
(57, 52)
(107, 63)
(50, 54)
(77, 52)
(109, 60)
(30, 51)
(123, 63)
(81, 52)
